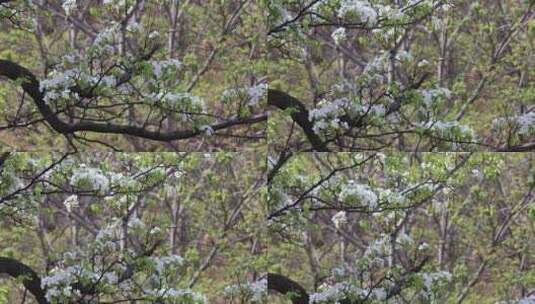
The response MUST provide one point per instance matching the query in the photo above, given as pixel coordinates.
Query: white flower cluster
(58, 285)
(392, 13)
(339, 35)
(69, 6)
(161, 66)
(71, 202)
(432, 96)
(106, 40)
(376, 68)
(133, 26)
(431, 279)
(422, 63)
(362, 9)
(173, 294)
(404, 239)
(57, 84)
(327, 115)
(92, 178)
(135, 222)
(107, 239)
(392, 197)
(528, 300)
(340, 291)
(524, 122)
(339, 219)
(334, 293)
(353, 192)
(256, 291)
(119, 179)
(162, 263)
(256, 93)
(181, 101)
(379, 247)
(370, 14)
(451, 130)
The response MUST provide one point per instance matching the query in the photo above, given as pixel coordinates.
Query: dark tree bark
(284, 286)
(30, 279)
(299, 114)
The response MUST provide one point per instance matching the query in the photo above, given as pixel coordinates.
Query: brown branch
(286, 286)
(299, 114)
(30, 85)
(530, 146)
(30, 279)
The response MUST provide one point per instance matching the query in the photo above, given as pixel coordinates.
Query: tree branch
(286, 286)
(30, 85)
(299, 114)
(30, 279)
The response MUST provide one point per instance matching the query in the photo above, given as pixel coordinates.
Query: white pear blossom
(339, 35)
(422, 63)
(339, 219)
(58, 84)
(450, 129)
(256, 93)
(109, 80)
(162, 263)
(358, 193)
(528, 300)
(431, 96)
(58, 284)
(154, 34)
(159, 66)
(431, 278)
(337, 292)
(423, 246)
(362, 9)
(71, 202)
(326, 115)
(392, 13)
(526, 122)
(69, 6)
(90, 177)
(257, 290)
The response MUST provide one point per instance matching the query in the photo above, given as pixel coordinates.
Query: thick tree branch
(299, 114)
(286, 286)
(30, 85)
(530, 146)
(30, 279)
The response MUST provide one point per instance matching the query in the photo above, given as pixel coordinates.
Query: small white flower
(339, 35)
(359, 193)
(69, 6)
(256, 93)
(109, 81)
(526, 122)
(362, 9)
(339, 219)
(422, 63)
(71, 202)
(423, 246)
